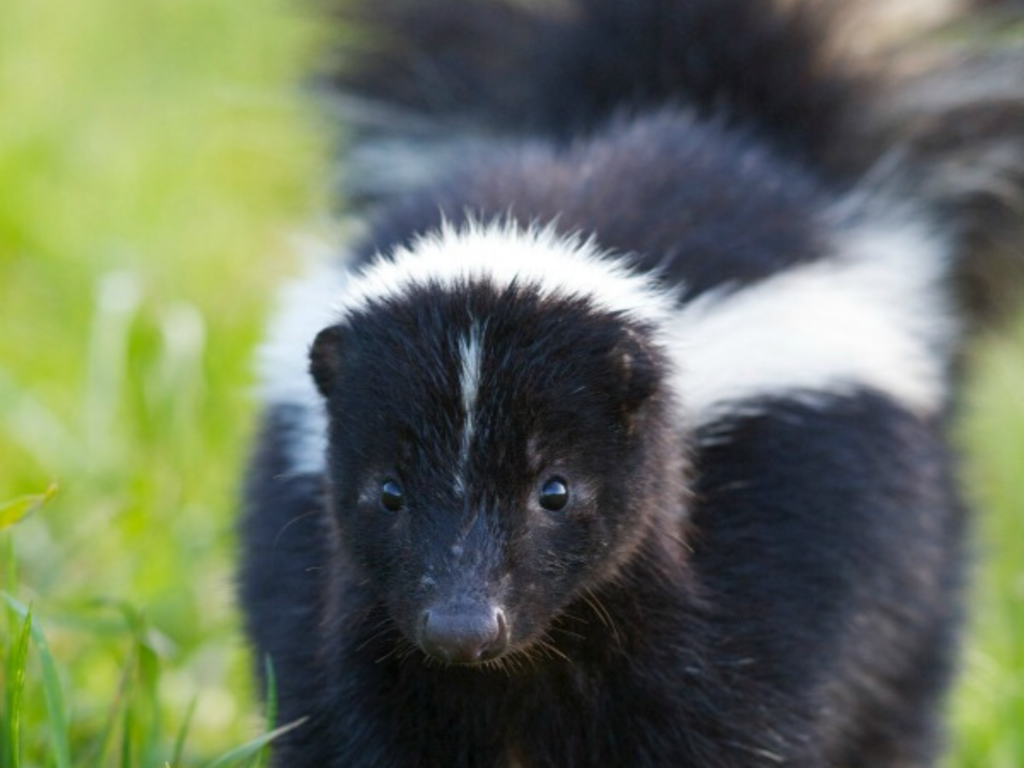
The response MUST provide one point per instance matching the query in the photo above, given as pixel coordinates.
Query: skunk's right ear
(325, 358)
(638, 370)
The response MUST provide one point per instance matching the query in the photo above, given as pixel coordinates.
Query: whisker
(290, 523)
(552, 649)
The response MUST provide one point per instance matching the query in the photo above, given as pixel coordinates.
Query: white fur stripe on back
(875, 315)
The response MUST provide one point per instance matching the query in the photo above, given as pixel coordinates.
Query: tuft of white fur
(875, 315)
(503, 254)
(305, 307)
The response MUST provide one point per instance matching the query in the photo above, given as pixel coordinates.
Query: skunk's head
(499, 441)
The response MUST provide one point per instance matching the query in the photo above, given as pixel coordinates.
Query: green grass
(988, 708)
(154, 159)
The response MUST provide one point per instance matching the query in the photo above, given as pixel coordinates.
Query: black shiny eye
(391, 496)
(554, 495)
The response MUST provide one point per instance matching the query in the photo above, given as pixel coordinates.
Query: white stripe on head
(471, 354)
(875, 315)
(504, 254)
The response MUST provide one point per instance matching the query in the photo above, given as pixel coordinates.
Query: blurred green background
(155, 158)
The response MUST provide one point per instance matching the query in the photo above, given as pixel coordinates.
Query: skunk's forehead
(537, 311)
(477, 370)
(441, 353)
(476, 380)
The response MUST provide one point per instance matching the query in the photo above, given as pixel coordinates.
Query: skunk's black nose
(464, 634)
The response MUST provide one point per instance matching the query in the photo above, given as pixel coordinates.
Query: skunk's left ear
(638, 368)
(325, 358)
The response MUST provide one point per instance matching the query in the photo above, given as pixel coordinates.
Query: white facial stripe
(470, 354)
(874, 316)
(504, 254)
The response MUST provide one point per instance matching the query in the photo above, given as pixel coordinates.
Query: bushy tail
(941, 126)
(953, 138)
(503, 68)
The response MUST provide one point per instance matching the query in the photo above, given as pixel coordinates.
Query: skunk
(616, 433)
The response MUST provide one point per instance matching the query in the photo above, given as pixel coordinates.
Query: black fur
(780, 586)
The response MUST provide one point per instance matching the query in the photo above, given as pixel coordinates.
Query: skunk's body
(624, 440)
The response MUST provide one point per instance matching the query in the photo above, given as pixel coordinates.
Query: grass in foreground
(154, 158)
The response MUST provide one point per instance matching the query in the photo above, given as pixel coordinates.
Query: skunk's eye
(554, 495)
(391, 496)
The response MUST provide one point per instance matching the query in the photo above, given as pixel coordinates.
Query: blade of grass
(179, 742)
(11, 622)
(56, 714)
(15, 511)
(15, 694)
(118, 296)
(127, 726)
(145, 704)
(97, 754)
(148, 670)
(271, 697)
(248, 750)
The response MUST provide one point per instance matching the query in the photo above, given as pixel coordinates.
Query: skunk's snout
(464, 634)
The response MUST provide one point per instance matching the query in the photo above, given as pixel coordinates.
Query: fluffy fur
(618, 435)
